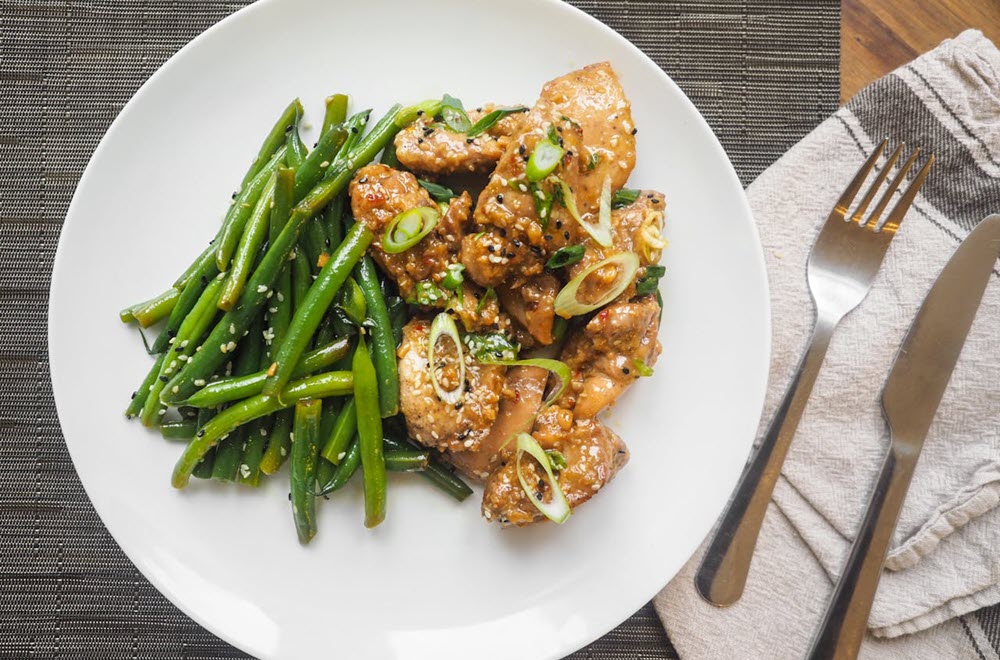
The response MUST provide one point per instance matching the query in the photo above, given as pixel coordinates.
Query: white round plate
(435, 580)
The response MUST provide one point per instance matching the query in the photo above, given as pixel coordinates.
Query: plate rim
(137, 559)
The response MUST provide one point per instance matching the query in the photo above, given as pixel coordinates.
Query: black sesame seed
(510, 255)
(234, 195)
(479, 109)
(363, 179)
(354, 129)
(503, 232)
(134, 394)
(491, 248)
(171, 333)
(458, 406)
(566, 235)
(420, 140)
(522, 150)
(516, 243)
(650, 195)
(420, 113)
(164, 379)
(469, 140)
(634, 131)
(558, 224)
(569, 152)
(656, 201)
(499, 199)
(625, 371)
(204, 281)
(537, 250)
(548, 237)
(201, 433)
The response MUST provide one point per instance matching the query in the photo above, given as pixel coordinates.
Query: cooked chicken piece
(603, 356)
(519, 404)
(588, 112)
(378, 194)
(439, 151)
(430, 421)
(593, 455)
(531, 305)
(637, 228)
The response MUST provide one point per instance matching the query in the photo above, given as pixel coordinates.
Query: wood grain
(879, 35)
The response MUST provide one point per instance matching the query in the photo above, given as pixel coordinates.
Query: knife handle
(723, 572)
(846, 619)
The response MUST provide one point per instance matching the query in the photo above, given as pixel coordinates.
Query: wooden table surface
(879, 35)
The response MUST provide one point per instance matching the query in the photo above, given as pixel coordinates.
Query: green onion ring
(558, 367)
(568, 305)
(558, 509)
(444, 324)
(409, 228)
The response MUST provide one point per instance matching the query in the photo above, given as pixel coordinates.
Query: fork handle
(846, 619)
(724, 568)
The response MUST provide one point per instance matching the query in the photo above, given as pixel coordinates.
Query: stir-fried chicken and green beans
(467, 305)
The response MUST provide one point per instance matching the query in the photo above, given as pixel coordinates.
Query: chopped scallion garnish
(444, 325)
(453, 114)
(568, 305)
(487, 121)
(566, 256)
(557, 509)
(544, 159)
(624, 197)
(408, 228)
(438, 192)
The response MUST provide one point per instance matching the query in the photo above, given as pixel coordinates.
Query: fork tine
(903, 205)
(859, 179)
(859, 213)
(893, 185)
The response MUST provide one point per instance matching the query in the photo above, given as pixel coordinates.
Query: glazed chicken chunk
(427, 148)
(587, 114)
(455, 427)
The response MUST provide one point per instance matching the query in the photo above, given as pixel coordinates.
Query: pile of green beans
(278, 342)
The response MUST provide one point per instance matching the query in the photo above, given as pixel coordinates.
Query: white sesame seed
(325, 163)
(185, 343)
(522, 187)
(291, 436)
(172, 340)
(222, 347)
(283, 451)
(262, 288)
(163, 411)
(341, 455)
(469, 442)
(272, 310)
(175, 389)
(231, 346)
(232, 328)
(263, 432)
(270, 293)
(245, 470)
(199, 382)
(281, 298)
(221, 276)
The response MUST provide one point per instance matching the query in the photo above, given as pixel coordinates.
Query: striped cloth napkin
(945, 561)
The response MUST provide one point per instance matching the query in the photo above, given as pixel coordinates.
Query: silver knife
(910, 398)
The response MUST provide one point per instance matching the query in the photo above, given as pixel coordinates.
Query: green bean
(248, 249)
(353, 302)
(274, 140)
(149, 312)
(230, 451)
(344, 428)
(189, 296)
(234, 322)
(140, 395)
(324, 469)
(383, 339)
(182, 430)
(309, 173)
(302, 277)
(279, 443)
(279, 314)
(253, 451)
(313, 387)
(183, 347)
(297, 151)
(437, 472)
(303, 467)
(207, 255)
(336, 111)
(369, 434)
(308, 316)
(403, 460)
(239, 212)
(343, 472)
(389, 155)
(314, 241)
(204, 468)
(335, 210)
(235, 388)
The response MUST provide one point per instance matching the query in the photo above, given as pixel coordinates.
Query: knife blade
(910, 398)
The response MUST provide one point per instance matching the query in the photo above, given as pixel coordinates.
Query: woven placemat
(763, 72)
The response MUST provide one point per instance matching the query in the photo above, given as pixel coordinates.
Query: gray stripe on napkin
(959, 187)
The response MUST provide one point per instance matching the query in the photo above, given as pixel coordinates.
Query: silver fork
(843, 263)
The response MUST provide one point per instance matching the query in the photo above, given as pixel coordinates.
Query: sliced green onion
(490, 293)
(487, 121)
(453, 114)
(624, 197)
(453, 279)
(427, 293)
(650, 280)
(443, 324)
(438, 192)
(593, 161)
(409, 228)
(544, 159)
(566, 256)
(557, 459)
(642, 368)
(491, 346)
(559, 368)
(568, 305)
(558, 509)
(599, 231)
